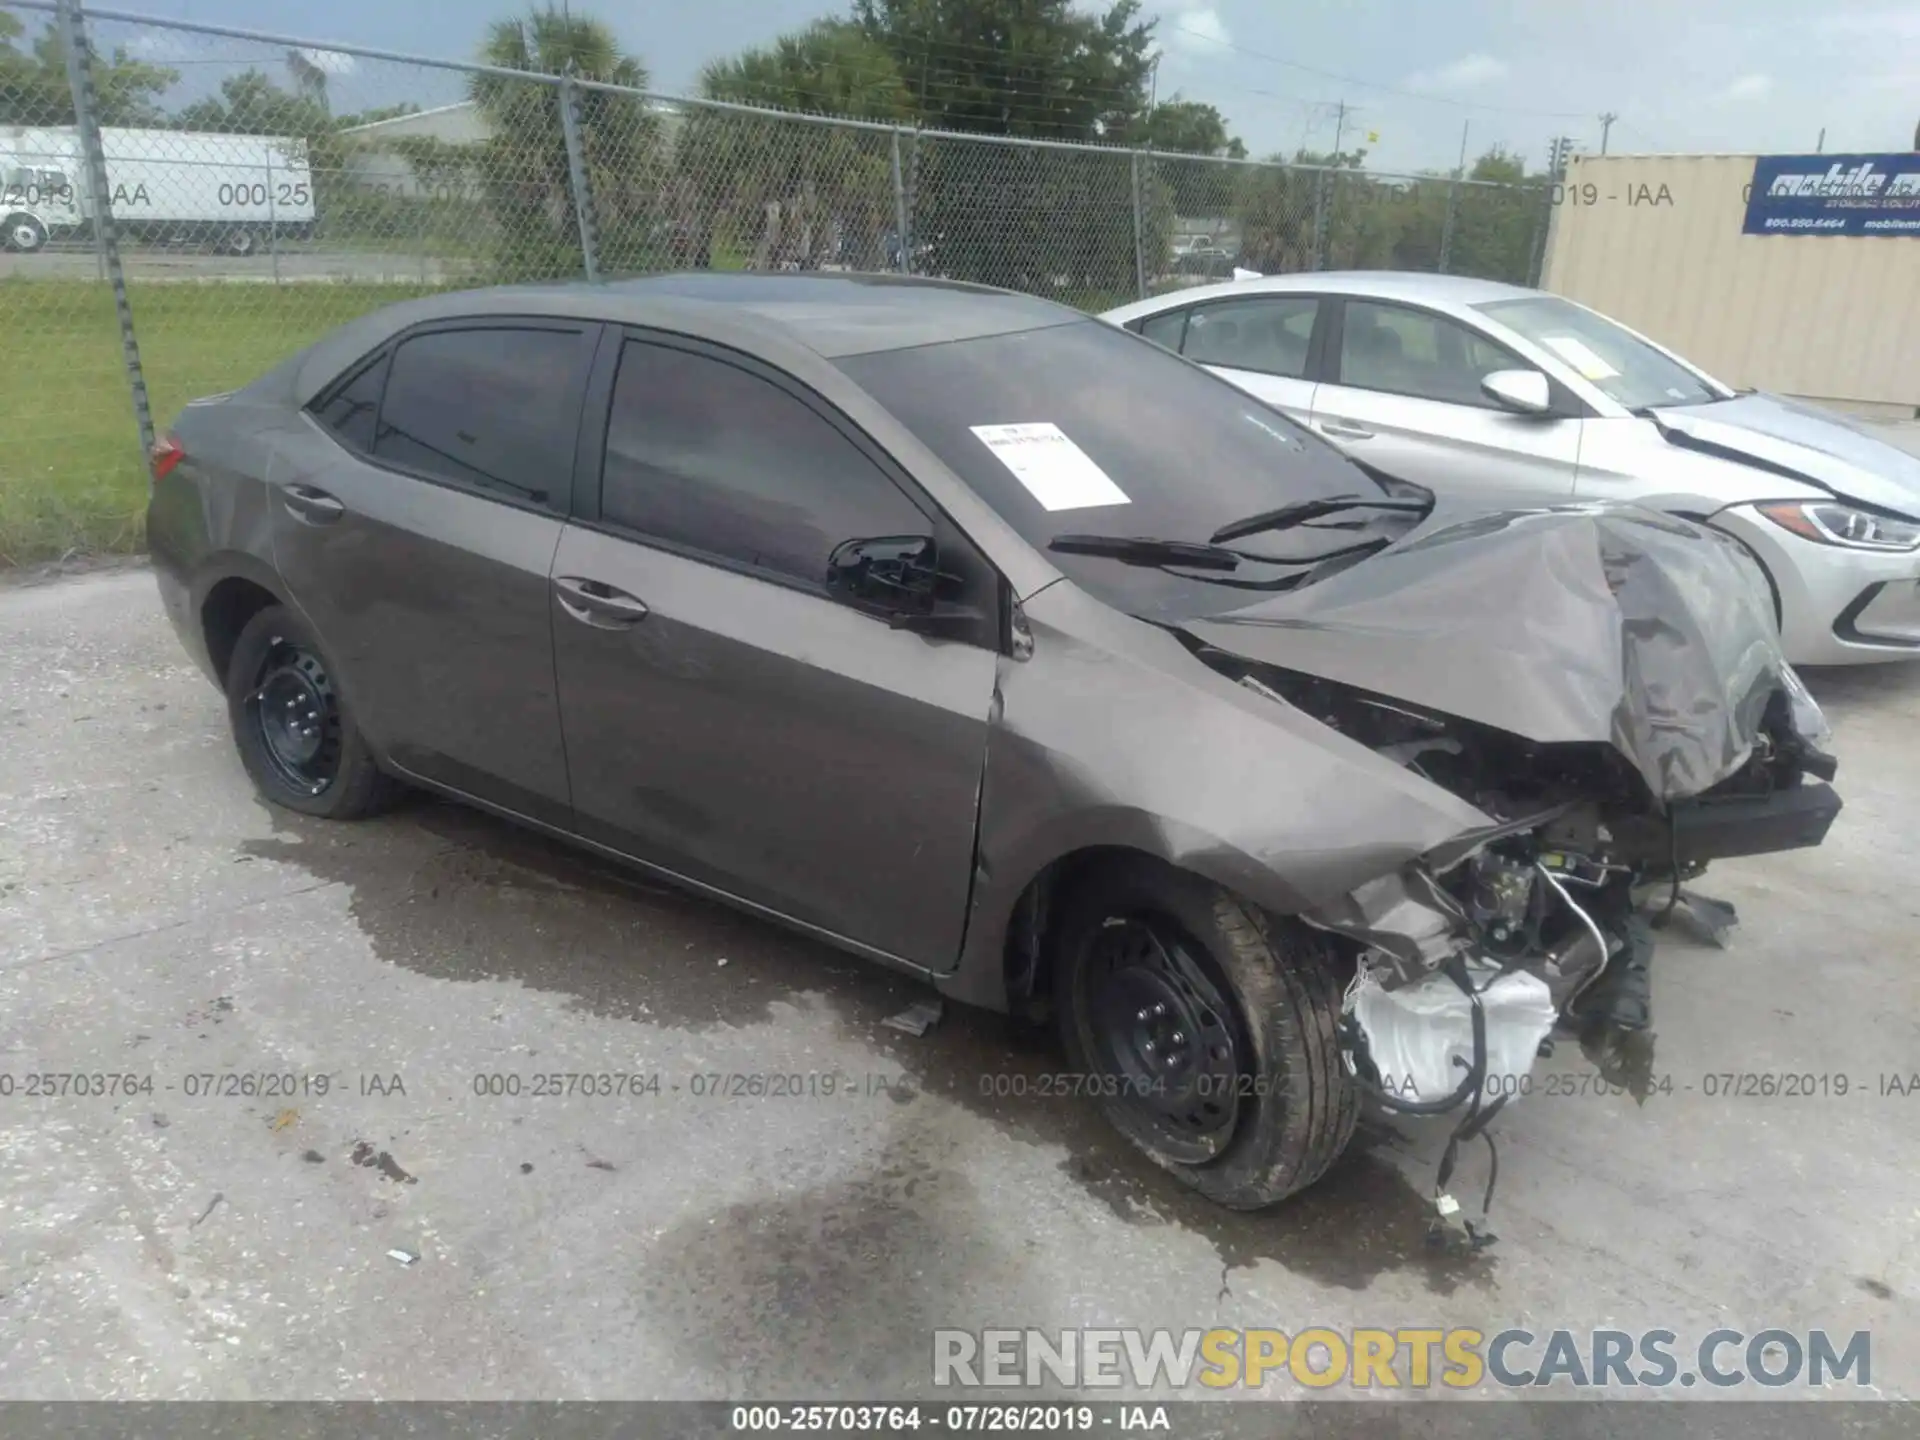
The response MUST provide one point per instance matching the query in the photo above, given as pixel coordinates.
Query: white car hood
(1806, 443)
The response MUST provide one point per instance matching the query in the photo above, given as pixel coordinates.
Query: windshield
(1083, 429)
(1620, 365)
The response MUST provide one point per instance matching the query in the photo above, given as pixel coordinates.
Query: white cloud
(1747, 87)
(1465, 73)
(1195, 30)
(332, 61)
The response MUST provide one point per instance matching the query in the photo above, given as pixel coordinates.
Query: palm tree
(796, 192)
(525, 165)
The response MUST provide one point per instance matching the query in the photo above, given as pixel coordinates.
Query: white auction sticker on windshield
(1056, 472)
(1580, 355)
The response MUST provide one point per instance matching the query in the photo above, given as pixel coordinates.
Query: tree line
(691, 185)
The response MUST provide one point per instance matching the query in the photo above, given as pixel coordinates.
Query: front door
(415, 523)
(1403, 394)
(730, 718)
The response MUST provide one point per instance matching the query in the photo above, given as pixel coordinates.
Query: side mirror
(894, 573)
(1525, 392)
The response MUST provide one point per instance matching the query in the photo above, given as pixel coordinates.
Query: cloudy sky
(1688, 75)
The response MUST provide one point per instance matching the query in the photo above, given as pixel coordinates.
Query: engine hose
(1456, 970)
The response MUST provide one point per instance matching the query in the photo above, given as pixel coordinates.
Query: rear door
(1262, 343)
(416, 527)
(1403, 393)
(727, 717)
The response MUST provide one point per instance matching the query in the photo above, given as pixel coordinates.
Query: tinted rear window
(350, 409)
(493, 408)
(1190, 452)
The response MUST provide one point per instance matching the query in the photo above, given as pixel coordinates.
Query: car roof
(1419, 287)
(788, 318)
(854, 313)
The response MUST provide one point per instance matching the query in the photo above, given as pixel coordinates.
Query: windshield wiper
(1302, 511)
(1146, 550)
(1170, 555)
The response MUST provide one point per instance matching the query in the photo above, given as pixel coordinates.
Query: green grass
(72, 478)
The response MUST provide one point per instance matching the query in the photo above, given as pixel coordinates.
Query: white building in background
(372, 161)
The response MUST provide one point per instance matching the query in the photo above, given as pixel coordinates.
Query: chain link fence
(183, 205)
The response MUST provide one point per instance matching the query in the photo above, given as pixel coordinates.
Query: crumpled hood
(1577, 623)
(1813, 444)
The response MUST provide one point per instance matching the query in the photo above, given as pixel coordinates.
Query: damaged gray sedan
(1004, 647)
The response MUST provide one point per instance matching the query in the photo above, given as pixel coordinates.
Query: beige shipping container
(1654, 241)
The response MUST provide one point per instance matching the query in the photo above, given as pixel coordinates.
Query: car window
(1156, 448)
(1617, 362)
(485, 407)
(349, 409)
(1269, 335)
(1165, 329)
(707, 455)
(1415, 352)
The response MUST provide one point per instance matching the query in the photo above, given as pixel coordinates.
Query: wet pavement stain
(839, 1284)
(1362, 1219)
(453, 893)
(456, 894)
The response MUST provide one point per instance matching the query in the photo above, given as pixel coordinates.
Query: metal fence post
(1536, 247)
(73, 34)
(1446, 225)
(577, 177)
(900, 209)
(1319, 220)
(1139, 234)
(273, 221)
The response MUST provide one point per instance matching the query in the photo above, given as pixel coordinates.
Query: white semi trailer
(163, 185)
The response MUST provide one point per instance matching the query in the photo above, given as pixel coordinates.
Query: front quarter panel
(1114, 734)
(1624, 458)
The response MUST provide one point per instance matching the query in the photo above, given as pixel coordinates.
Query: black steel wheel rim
(1160, 1027)
(297, 717)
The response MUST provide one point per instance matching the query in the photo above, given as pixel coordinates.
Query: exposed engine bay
(1600, 691)
(1579, 841)
(1467, 960)
(1580, 838)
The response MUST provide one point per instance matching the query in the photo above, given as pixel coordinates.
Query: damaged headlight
(1829, 523)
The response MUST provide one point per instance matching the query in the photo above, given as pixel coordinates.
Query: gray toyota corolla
(1002, 646)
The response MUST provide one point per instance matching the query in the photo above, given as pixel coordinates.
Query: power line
(1373, 84)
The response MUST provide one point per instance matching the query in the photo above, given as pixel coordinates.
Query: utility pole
(1606, 125)
(1339, 125)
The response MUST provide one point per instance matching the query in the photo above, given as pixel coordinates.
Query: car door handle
(315, 507)
(593, 602)
(1345, 430)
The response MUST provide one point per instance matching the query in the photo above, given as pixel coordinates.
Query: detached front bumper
(1837, 606)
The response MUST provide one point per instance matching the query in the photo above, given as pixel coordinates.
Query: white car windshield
(1614, 361)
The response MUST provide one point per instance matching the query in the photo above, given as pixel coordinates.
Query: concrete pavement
(190, 1235)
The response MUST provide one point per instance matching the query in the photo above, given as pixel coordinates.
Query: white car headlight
(1831, 523)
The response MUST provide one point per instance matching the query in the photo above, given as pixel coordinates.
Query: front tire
(293, 730)
(24, 233)
(240, 241)
(1207, 1027)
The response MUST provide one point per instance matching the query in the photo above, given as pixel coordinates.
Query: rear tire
(296, 738)
(1207, 1029)
(239, 241)
(24, 233)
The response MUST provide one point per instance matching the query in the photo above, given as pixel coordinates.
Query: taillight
(165, 455)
